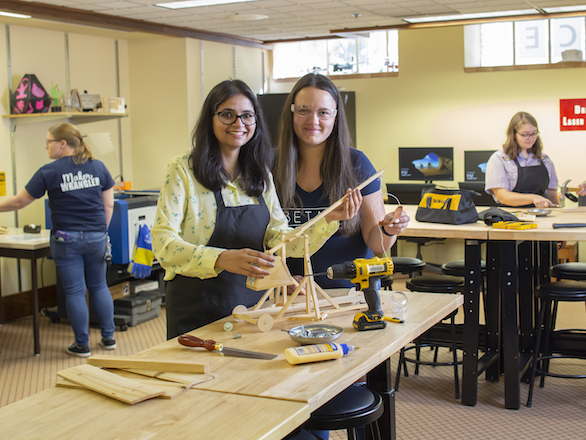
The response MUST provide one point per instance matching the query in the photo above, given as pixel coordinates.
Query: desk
(514, 250)
(61, 413)
(473, 234)
(511, 249)
(274, 395)
(16, 244)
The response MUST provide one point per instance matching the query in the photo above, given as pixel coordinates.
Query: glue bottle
(314, 353)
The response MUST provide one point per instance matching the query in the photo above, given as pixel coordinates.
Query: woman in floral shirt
(218, 210)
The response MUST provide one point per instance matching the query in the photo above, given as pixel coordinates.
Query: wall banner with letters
(572, 114)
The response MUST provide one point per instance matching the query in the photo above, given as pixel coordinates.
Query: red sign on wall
(572, 114)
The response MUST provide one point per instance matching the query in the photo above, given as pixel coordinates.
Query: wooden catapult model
(279, 278)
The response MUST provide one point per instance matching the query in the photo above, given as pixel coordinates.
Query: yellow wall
(164, 80)
(434, 102)
(161, 79)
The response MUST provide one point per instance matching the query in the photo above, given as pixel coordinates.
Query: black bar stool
(457, 268)
(568, 271)
(355, 407)
(550, 294)
(434, 284)
(405, 265)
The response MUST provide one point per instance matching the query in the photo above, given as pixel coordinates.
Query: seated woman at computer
(520, 174)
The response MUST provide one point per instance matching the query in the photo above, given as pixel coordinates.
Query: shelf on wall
(74, 117)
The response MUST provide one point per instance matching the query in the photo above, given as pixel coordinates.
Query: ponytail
(70, 134)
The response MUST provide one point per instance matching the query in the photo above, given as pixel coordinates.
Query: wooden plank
(163, 365)
(170, 389)
(60, 414)
(108, 384)
(186, 379)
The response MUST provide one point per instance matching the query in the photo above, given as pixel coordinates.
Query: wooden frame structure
(279, 278)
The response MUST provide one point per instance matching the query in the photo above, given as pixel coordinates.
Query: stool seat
(458, 268)
(549, 295)
(404, 265)
(408, 265)
(356, 406)
(568, 290)
(568, 271)
(435, 283)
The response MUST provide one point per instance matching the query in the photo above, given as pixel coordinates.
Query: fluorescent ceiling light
(247, 17)
(469, 16)
(197, 3)
(565, 9)
(10, 14)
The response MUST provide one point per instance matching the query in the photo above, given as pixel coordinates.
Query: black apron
(531, 180)
(193, 302)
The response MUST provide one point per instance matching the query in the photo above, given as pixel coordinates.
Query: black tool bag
(493, 215)
(448, 206)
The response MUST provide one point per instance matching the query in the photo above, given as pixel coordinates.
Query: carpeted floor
(425, 404)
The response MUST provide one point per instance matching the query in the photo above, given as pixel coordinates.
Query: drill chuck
(342, 271)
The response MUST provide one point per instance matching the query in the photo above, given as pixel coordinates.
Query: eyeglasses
(323, 114)
(528, 135)
(228, 118)
(48, 141)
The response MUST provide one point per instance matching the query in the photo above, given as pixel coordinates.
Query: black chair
(405, 265)
(568, 271)
(435, 284)
(550, 294)
(355, 407)
(457, 268)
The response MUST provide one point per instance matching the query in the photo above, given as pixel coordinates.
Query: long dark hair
(511, 147)
(70, 134)
(255, 157)
(337, 170)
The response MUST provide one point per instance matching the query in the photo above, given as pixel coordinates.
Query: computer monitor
(426, 163)
(484, 199)
(407, 193)
(475, 164)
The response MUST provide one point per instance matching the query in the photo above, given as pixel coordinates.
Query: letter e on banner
(572, 114)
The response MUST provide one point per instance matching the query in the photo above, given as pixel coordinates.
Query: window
(366, 53)
(524, 42)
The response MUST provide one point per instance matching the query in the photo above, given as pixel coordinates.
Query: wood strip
(185, 379)
(163, 365)
(111, 385)
(170, 389)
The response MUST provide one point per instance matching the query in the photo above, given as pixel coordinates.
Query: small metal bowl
(539, 212)
(315, 333)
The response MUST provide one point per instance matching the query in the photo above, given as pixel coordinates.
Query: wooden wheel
(265, 323)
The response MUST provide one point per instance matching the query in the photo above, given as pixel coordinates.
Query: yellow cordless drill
(366, 274)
